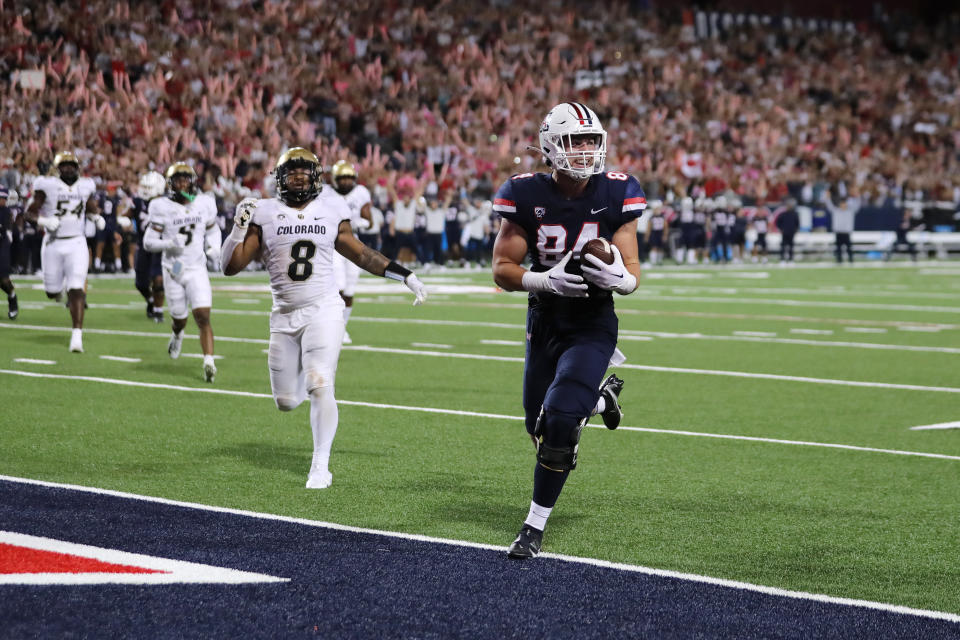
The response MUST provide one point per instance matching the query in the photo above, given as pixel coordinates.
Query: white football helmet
(566, 120)
(152, 185)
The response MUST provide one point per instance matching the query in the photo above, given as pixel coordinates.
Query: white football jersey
(192, 219)
(297, 248)
(65, 201)
(357, 197)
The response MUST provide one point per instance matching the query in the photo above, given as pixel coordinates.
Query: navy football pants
(567, 357)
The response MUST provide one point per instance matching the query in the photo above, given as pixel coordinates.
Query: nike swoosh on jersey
(594, 211)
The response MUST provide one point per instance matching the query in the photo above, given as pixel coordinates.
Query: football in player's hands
(598, 247)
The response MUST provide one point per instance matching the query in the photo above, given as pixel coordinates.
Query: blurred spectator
(788, 222)
(754, 109)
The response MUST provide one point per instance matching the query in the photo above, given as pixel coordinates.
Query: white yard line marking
(34, 361)
(135, 334)
(120, 359)
(813, 332)
(505, 343)
(624, 308)
(174, 571)
(476, 414)
(942, 425)
(199, 356)
(802, 303)
(865, 330)
(246, 301)
(640, 367)
(756, 334)
(617, 566)
(827, 291)
(800, 443)
(430, 345)
(627, 334)
(920, 329)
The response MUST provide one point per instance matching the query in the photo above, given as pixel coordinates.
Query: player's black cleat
(610, 392)
(13, 308)
(150, 310)
(527, 544)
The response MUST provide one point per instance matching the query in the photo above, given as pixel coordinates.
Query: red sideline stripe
(509, 203)
(635, 201)
(17, 559)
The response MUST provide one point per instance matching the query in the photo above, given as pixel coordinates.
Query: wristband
(396, 272)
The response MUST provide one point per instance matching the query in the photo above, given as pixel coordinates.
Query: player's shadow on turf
(266, 456)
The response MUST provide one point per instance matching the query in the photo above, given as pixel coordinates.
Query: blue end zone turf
(346, 584)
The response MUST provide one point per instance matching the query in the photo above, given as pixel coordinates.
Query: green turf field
(762, 356)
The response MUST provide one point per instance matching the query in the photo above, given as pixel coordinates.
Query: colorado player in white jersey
(358, 199)
(296, 235)
(183, 225)
(60, 205)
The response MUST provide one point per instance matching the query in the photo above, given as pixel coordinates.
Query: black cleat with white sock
(527, 544)
(610, 392)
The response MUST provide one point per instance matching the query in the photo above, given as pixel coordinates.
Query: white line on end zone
(174, 571)
(690, 577)
(942, 425)
(478, 414)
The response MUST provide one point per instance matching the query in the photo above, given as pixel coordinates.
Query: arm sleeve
(234, 239)
(231, 242)
(153, 242)
(212, 236)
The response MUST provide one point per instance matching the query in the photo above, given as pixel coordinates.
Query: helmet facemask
(292, 196)
(175, 173)
(566, 124)
(296, 158)
(67, 166)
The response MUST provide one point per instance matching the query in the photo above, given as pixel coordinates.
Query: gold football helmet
(67, 165)
(344, 176)
(65, 156)
(176, 170)
(292, 159)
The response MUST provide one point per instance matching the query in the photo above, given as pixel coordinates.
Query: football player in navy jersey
(6, 240)
(148, 273)
(571, 324)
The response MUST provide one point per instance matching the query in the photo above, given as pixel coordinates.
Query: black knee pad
(559, 439)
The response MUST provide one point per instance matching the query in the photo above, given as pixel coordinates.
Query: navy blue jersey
(555, 224)
(138, 214)
(108, 206)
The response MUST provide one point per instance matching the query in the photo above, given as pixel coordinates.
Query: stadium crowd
(441, 103)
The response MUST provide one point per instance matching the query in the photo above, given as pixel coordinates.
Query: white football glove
(362, 223)
(49, 223)
(612, 277)
(176, 244)
(214, 254)
(419, 290)
(556, 280)
(244, 212)
(99, 222)
(124, 222)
